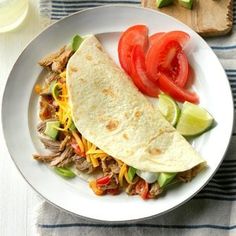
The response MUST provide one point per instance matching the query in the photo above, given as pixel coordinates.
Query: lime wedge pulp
(169, 108)
(194, 120)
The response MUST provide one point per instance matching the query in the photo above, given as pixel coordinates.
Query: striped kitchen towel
(210, 212)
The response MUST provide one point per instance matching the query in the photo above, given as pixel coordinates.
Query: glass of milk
(12, 13)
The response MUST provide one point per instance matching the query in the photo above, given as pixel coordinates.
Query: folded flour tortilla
(109, 111)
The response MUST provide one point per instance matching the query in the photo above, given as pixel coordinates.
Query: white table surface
(17, 200)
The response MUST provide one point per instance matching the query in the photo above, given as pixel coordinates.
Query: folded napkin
(210, 212)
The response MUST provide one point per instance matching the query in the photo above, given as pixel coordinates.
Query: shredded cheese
(59, 103)
(122, 173)
(85, 143)
(89, 145)
(94, 161)
(101, 156)
(63, 74)
(98, 151)
(78, 141)
(64, 111)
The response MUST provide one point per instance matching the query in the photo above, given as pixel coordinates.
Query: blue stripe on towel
(218, 192)
(230, 166)
(230, 161)
(64, 3)
(220, 187)
(80, 3)
(231, 75)
(233, 174)
(230, 70)
(216, 198)
(223, 47)
(223, 227)
(61, 9)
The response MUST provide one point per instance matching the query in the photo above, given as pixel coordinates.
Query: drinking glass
(12, 13)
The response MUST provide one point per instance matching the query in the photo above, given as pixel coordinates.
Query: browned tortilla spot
(108, 91)
(73, 69)
(112, 125)
(125, 136)
(89, 57)
(154, 151)
(138, 114)
(99, 47)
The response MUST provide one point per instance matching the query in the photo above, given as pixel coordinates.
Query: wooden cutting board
(208, 17)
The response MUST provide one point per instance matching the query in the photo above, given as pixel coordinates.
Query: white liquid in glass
(12, 13)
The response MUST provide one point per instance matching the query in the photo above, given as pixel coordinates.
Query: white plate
(19, 113)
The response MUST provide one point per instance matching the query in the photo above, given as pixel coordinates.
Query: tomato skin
(142, 189)
(139, 75)
(179, 36)
(102, 181)
(179, 94)
(135, 35)
(155, 37)
(154, 57)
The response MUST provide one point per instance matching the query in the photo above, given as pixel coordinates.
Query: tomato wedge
(162, 52)
(138, 73)
(179, 94)
(142, 188)
(135, 35)
(164, 66)
(178, 68)
(154, 37)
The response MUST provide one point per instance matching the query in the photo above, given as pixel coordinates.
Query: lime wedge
(194, 120)
(169, 108)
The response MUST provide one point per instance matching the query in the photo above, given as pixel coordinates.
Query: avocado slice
(131, 173)
(51, 130)
(165, 178)
(76, 41)
(163, 3)
(186, 3)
